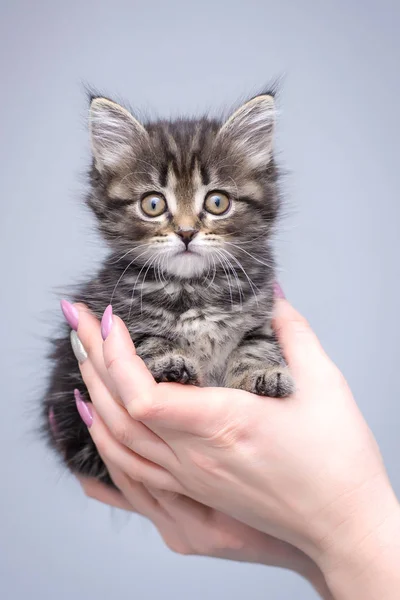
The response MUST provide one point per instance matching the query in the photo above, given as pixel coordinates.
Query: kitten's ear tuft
(251, 129)
(114, 134)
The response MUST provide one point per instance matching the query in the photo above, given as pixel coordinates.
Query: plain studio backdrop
(338, 248)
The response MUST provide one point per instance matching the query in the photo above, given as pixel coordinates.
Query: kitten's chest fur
(205, 323)
(210, 335)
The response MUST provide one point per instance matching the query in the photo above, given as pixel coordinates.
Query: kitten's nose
(187, 235)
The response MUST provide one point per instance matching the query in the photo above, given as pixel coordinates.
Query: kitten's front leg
(167, 361)
(257, 366)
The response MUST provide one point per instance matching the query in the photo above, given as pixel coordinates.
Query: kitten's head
(185, 195)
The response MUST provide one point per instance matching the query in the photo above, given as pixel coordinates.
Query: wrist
(291, 558)
(309, 570)
(362, 557)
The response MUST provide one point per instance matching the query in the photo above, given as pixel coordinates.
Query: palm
(209, 532)
(188, 527)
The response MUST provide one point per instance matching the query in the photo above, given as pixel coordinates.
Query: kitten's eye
(217, 203)
(153, 205)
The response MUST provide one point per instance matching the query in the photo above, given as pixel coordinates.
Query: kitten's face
(185, 197)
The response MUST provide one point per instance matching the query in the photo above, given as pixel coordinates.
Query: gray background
(338, 248)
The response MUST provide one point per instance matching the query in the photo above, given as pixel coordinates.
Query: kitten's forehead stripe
(163, 175)
(205, 177)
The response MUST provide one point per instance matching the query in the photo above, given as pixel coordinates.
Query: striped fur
(198, 312)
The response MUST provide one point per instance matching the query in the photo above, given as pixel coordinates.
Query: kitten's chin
(187, 265)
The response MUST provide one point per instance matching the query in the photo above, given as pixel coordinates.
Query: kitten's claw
(275, 382)
(176, 368)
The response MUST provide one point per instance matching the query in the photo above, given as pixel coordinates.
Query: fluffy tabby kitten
(187, 208)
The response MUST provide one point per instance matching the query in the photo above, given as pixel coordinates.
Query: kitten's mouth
(188, 252)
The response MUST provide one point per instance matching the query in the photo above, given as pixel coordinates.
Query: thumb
(301, 347)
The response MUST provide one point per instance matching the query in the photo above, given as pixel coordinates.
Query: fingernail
(278, 291)
(77, 347)
(53, 423)
(84, 409)
(70, 313)
(106, 322)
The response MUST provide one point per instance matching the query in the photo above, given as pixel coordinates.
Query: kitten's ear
(251, 129)
(114, 134)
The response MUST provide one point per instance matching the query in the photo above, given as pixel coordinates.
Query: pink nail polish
(53, 423)
(106, 322)
(278, 291)
(70, 313)
(84, 409)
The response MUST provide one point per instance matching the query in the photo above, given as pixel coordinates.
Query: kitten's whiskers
(135, 284)
(123, 273)
(251, 255)
(128, 252)
(252, 284)
(214, 273)
(238, 283)
(222, 261)
(142, 284)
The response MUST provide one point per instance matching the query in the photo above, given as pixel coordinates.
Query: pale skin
(190, 528)
(302, 479)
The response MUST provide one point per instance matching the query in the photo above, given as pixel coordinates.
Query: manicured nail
(106, 322)
(77, 347)
(70, 313)
(84, 409)
(278, 291)
(53, 423)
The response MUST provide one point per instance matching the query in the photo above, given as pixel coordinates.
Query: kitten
(187, 208)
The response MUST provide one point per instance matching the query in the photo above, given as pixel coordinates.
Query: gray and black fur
(194, 289)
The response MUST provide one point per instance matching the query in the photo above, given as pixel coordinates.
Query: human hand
(190, 528)
(306, 470)
(186, 526)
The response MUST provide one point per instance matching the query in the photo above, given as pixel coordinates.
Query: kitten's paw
(174, 367)
(275, 382)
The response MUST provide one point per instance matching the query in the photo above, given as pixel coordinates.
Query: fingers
(181, 508)
(133, 380)
(90, 336)
(125, 430)
(136, 494)
(300, 345)
(133, 465)
(133, 496)
(102, 493)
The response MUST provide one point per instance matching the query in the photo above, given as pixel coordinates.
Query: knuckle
(118, 363)
(179, 548)
(140, 409)
(232, 431)
(135, 472)
(121, 432)
(148, 404)
(227, 541)
(90, 378)
(167, 482)
(89, 490)
(103, 447)
(89, 493)
(164, 495)
(113, 363)
(204, 463)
